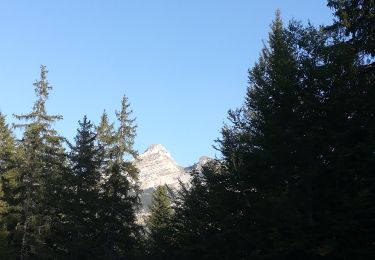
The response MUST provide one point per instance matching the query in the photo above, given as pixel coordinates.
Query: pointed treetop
(106, 134)
(85, 133)
(124, 115)
(278, 19)
(127, 129)
(276, 28)
(104, 117)
(42, 86)
(104, 128)
(160, 209)
(39, 114)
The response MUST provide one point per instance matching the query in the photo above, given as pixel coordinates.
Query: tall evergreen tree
(291, 153)
(40, 171)
(8, 183)
(261, 148)
(126, 131)
(120, 199)
(300, 150)
(80, 224)
(7, 150)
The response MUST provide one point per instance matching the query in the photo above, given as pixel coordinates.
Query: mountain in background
(157, 167)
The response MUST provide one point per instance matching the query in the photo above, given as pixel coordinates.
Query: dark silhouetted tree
(159, 224)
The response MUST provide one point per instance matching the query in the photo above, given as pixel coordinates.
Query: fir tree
(7, 152)
(159, 223)
(9, 204)
(126, 131)
(119, 188)
(107, 139)
(81, 226)
(261, 149)
(40, 171)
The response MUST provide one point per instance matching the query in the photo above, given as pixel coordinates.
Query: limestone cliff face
(157, 167)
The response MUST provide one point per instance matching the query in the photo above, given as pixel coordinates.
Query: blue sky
(182, 64)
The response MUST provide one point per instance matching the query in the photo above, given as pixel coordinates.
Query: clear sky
(182, 63)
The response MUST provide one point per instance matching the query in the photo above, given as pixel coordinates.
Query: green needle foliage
(40, 168)
(81, 202)
(119, 186)
(296, 178)
(9, 202)
(159, 224)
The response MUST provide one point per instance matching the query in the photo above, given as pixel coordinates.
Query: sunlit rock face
(157, 167)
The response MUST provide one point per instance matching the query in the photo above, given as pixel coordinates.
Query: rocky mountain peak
(157, 167)
(156, 148)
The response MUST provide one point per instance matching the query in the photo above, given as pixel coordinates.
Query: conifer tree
(8, 183)
(299, 147)
(159, 224)
(7, 150)
(205, 220)
(261, 150)
(40, 170)
(120, 199)
(81, 226)
(126, 131)
(107, 138)
(160, 209)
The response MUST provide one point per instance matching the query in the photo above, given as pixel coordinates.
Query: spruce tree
(127, 130)
(299, 152)
(81, 227)
(159, 224)
(9, 204)
(261, 149)
(7, 153)
(40, 172)
(107, 139)
(119, 188)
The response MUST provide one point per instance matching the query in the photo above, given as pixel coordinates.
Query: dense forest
(296, 179)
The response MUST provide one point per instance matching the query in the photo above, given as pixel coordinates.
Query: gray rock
(157, 167)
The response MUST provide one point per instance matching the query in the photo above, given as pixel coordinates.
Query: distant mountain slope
(157, 167)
